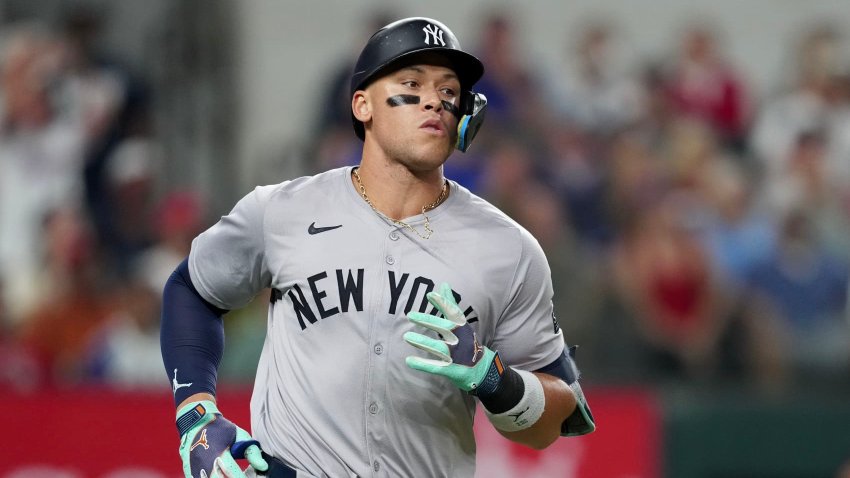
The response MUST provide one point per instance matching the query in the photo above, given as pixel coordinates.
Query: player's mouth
(434, 126)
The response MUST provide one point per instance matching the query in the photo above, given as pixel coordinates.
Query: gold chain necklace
(428, 207)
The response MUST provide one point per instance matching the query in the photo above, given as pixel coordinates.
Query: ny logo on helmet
(435, 34)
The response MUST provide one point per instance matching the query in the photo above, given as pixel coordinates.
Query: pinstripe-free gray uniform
(333, 395)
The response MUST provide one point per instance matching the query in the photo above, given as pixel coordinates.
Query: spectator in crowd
(701, 84)
(110, 105)
(803, 288)
(40, 160)
(594, 86)
(806, 183)
(90, 94)
(635, 177)
(739, 233)
(500, 49)
(509, 171)
(817, 100)
(665, 278)
(130, 180)
(578, 172)
(75, 304)
(124, 350)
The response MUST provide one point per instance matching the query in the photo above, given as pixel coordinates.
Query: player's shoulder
(481, 216)
(321, 184)
(481, 213)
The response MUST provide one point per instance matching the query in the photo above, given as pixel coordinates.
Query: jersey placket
(379, 340)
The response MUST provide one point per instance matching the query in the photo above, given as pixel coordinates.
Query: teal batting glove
(210, 444)
(459, 357)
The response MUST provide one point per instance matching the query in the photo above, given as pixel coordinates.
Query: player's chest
(337, 245)
(359, 269)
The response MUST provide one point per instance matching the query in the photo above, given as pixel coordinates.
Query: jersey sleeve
(527, 336)
(227, 261)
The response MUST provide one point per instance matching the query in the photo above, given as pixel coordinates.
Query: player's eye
(410, 83)
(449, 92)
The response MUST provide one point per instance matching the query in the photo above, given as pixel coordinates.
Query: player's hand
(458, 356)
(210, 444)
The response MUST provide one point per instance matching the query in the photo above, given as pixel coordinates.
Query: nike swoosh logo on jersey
(315, 230)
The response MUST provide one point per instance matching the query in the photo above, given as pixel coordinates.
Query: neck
(396, 191)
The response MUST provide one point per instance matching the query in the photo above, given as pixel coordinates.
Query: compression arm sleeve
(191, 337)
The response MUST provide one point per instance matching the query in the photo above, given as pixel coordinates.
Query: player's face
(414, 113)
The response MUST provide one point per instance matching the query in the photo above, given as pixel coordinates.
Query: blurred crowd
(698, 229)
(87, 235)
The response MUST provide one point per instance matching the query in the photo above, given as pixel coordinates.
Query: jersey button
(394, 236)
(390, 260)
(379, 349)
(373, 408)
(376, 466)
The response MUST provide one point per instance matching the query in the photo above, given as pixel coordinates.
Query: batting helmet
(407, 37)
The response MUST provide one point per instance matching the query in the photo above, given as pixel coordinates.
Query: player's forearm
(191, 337)
(560, 404)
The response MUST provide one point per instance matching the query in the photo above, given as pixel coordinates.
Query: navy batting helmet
(407, 37)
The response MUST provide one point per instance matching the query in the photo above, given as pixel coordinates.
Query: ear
(361, 106)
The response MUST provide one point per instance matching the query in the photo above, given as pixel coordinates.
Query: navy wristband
(501, 389)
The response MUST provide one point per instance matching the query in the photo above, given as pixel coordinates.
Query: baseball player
(399, 299)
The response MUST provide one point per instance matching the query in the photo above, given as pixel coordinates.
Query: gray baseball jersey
(333, 395)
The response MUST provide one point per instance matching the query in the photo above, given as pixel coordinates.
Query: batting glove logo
(201, 441)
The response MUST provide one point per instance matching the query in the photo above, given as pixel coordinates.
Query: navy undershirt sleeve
(563, 367)
(191, 336)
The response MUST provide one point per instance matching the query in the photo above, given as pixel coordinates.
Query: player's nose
(432, 101)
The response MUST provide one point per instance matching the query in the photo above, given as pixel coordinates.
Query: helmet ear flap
(473, 107)
(467, 102)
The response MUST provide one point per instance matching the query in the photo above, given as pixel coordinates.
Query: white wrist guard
(527, 411)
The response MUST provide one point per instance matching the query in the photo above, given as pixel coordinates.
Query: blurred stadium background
(685, 166)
